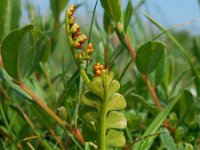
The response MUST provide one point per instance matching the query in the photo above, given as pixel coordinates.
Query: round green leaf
(92, 100)
(116, 120)
(148, 56)
(18, 50)
(116, 102)
(115, 138)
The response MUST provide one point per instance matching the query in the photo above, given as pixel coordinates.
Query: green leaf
(155, 124)
(15, 14)
(92, 100)
(113, 87)
(10, 13)
(116, 120)
(18, 52)
(107, 23)
(185, 102)
(57, 6)
(8, 79)
(89, 114)
(188, 146)
(101, 101)
(196, 48)
(128, 15)
(115, 138)
(42, 49)
(161, 69)
(186, 107)
(148, 56)
(145, 104)
(112, 8)
(167, 140)
(3, 17)
(89, 132)
(116, 102)
(96, 87)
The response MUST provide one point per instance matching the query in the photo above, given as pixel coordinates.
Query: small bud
(88, 57)
(101, 67)
(77, 45)
(80, 56)
(90, 46)
(82, 38)
(98, 72)
(75, 28)
(87, 51)
(72, 21)
(72, 9)
(75, 35)
(84, 53)
(96, 67)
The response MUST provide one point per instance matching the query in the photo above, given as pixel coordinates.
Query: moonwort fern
(103, 120)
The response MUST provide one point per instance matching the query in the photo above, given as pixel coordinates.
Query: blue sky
(180, 14)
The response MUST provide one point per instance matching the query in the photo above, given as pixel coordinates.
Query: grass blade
(156, 123)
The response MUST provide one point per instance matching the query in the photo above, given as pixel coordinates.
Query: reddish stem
(145, 77)
(132, 51)
(51, 112)
(152, 91)
(78, 135)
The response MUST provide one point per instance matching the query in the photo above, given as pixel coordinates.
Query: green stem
(103, 116)
(78, 103)
(102, 130)
(84, 75)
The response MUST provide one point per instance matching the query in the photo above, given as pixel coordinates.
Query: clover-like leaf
(115, 138)
(92, 100)
(96, 87)
(114, 86)
(89, 114)
(116, 120)
(116, 102)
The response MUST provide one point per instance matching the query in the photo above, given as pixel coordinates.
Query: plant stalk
(103, 116)
(50, 112)
(102, 132)
(44, 106)
(153, 92)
